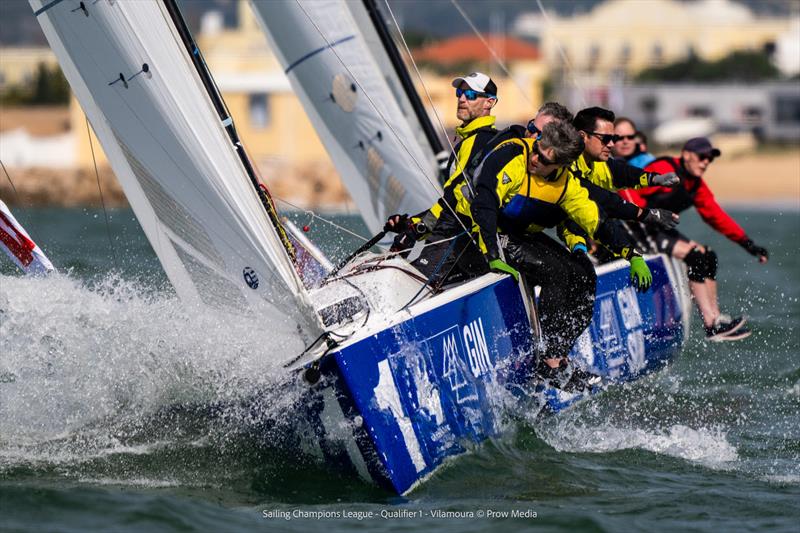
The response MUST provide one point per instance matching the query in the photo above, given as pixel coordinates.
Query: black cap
(702, 146)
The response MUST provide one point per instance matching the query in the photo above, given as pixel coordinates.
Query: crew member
(701, 261)
(602, 175)
(631, 144)
(476, 95)
(524, 186)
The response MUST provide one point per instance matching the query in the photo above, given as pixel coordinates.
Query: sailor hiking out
(603, 176)
(523, 187)
(701, 261)
(631, 145)
(476, 95)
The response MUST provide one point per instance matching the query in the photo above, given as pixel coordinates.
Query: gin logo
(477, 351)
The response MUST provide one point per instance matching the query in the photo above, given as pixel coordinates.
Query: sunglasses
(626, 137)
(706, 157)
(536, 132)
(605, 138)
(543, 159)
(472, 95)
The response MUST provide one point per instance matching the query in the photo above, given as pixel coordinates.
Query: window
(752, 114)
(625, 53)
(594, 54)
(787, 110)
(700, 111)
(260, 115)
(657, 56)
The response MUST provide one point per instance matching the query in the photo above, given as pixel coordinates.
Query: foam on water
(709, 447)
(76, 360)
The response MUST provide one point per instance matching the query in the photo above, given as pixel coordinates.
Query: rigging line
(383, 118)
(563, 55)
(435, 113)
(369, 98)
(102, 200)
(434, 273)
(311, 213)
(13, 187)
(422, 82)
(497, 59)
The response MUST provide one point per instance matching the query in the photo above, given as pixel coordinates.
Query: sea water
(122, 410)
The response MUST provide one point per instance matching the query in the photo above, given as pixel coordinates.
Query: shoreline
(758, 180)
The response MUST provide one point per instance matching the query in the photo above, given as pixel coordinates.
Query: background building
(619, 38)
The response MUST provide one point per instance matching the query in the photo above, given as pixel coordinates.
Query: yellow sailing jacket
(509, 197)
(474, 137)
(613, 174)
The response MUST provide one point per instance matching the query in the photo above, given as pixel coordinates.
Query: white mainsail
(380, 158)
(190, 191)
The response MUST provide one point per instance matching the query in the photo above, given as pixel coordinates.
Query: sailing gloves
(408, 231)
(756, 250)
(641, 277)
(396, 223)
(498, 265)
(580, 254)
(670, 179)
(659, 217)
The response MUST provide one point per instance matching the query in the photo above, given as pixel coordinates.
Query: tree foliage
(742, 65)
(48, 87)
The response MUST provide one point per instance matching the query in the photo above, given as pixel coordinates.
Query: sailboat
(401, 377)
(19, 246)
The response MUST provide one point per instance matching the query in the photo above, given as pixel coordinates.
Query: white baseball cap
(477, 81)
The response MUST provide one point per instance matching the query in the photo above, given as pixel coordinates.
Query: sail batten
(181, 172)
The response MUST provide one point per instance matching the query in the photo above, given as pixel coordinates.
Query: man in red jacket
(701, 261)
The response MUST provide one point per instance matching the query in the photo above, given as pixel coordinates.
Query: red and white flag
(19, 246)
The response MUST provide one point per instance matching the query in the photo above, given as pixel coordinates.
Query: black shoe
(581, 380)
(728, 329)
(567, 377)
(545, 372)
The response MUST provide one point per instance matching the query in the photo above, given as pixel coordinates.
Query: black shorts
(665, 240)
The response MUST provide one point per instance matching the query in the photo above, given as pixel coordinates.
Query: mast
(402, 73)
(226, 119)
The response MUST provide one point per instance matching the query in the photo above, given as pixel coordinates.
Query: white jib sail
(379, 158)
(176, 163)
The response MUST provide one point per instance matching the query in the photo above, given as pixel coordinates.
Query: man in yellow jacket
(476, 96)
(524, 186)
(450, 250)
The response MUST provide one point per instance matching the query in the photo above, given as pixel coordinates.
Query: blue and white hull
(401, 397)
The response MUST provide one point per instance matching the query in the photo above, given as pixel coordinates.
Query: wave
(86, 369)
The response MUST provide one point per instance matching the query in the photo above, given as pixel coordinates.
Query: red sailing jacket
(691, 191)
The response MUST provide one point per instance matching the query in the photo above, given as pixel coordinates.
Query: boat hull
(399, 402)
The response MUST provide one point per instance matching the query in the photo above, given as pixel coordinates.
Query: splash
(709, 447)
(77, 363)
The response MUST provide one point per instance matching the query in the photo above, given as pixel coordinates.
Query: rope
(13, 187)
(377, 108)
(102, 200)
(323, 219)
(435, 271)
(491, 51)
(563, 55)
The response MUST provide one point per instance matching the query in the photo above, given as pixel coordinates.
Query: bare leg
(712, 293)
(704, 293)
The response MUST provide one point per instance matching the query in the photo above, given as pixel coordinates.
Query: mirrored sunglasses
(472, 94)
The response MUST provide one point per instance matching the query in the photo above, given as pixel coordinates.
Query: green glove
(641, 276)
(498, 265)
